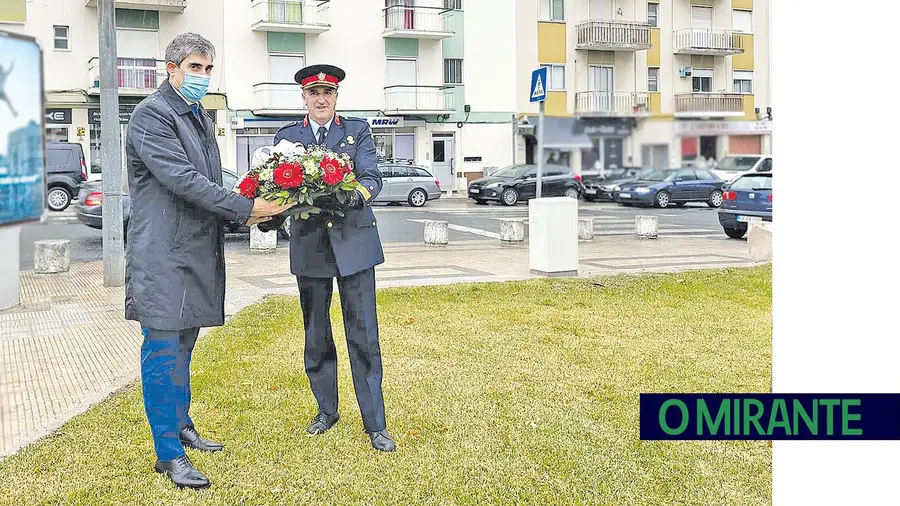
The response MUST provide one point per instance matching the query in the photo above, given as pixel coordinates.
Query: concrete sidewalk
(67, 346)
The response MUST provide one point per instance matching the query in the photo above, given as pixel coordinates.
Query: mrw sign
(538, 88)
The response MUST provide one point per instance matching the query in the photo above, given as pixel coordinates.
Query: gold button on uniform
(329, 224)
(373, 223)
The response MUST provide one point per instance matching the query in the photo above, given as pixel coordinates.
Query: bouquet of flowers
(316, 178)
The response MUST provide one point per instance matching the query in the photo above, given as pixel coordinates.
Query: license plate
(749, 219)
(474, 190)
(625, 195)
(590, 192)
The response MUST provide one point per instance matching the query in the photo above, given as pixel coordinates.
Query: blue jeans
(166, 378)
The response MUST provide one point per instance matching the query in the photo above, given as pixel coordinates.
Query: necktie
(322, 132)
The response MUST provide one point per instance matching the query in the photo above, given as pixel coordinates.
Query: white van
(735, 166)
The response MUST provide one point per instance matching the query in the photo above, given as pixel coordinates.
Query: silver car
(407, 183)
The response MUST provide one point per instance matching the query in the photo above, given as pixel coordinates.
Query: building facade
(419, 71)
(443, 83)
(658, 83)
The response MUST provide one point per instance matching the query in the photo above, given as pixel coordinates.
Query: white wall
(526, 52)
(490, 54)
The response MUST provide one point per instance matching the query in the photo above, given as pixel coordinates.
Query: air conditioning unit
(686, 71)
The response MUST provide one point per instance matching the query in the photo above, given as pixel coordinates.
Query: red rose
(248, 187)
(288, 175)
(332, 172)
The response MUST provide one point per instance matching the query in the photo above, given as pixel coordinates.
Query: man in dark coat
(325, 247)
(175, 264)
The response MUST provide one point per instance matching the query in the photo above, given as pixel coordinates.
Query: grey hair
(187, 44)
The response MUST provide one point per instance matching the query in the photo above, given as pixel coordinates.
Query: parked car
(66, 173)
(748, 199)
(664, 187)
(516, 183)
(407, 183)
(732, 167)
(597, 187)
(90, 207)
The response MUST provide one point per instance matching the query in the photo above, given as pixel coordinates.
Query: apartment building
(646, 83)
(432, 77)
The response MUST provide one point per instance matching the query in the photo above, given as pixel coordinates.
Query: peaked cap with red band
(319, 75)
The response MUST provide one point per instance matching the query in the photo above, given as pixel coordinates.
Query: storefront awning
(560, 133)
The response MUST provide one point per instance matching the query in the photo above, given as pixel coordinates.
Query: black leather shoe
(382, 441)
(321, 423)
(182, 472)
(190, 438)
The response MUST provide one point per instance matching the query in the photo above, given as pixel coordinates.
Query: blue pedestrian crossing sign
(538, 91)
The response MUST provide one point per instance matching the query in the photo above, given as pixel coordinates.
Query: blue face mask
(194, 86)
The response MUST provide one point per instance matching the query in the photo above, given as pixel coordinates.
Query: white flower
(284, 147)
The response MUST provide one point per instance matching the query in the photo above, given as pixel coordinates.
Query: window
(702, 80)
(131, 18)
(552, 10)
(742, 21)
(453, 4)
(653, 79)
(282, 68)
(653, 14)
(453, 71)
(556, 74)
(705, 176)
(61, 37)
(743, 82)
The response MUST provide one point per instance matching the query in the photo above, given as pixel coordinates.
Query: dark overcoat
(175, 259)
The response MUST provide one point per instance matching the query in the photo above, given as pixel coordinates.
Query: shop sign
(385, 122)
(58, 116)
(695, 128)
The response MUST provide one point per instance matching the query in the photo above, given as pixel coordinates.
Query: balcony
(147, 5)
(136, 76)
(612, 36)
(708, 42)
(615, 104)
(275, 99)
(404, 99)
(405, 22)
(709, 105)
(290, 16)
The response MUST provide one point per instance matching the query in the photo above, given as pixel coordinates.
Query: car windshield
(511, 171)
(755, 182)
(658, 175)
(736, 163)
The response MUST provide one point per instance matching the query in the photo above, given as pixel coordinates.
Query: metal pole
(540, 151)
(110, 150)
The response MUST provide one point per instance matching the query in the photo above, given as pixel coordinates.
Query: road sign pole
(540, 150)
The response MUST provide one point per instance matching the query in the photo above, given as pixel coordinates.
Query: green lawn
(512, 393)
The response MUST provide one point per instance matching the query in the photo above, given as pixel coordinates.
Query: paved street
(404, 224)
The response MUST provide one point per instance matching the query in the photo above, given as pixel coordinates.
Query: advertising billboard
(22, 171)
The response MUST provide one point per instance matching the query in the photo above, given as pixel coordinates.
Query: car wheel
(509, 197)
(663, 199)
(734, 233)
(58, 198)
(715, 199)
(417, 197)
(572, 193)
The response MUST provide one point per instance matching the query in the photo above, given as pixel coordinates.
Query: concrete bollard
(51, 256)
(759, 241)
(646, 227)
(437, 233)
(585, 229)
(263, 242)
(512, 231)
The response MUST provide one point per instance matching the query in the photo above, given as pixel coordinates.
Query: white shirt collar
(315, 126)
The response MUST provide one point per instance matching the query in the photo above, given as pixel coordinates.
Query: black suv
(66, 173)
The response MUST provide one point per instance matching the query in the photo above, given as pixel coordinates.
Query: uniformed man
(325, 247)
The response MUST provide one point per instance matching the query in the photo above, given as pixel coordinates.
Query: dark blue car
(665, 187)
(747, 199)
